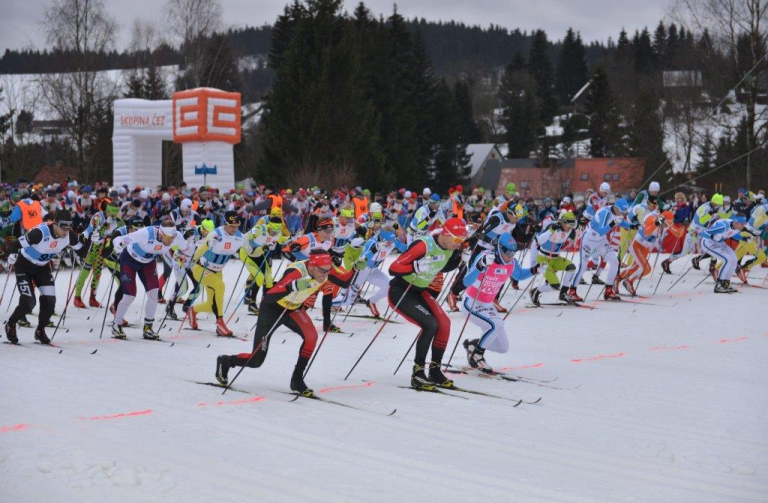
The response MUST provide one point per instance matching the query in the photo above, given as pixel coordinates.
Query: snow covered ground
(664, 402)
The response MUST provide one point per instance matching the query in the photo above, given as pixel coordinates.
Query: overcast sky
(595, 19)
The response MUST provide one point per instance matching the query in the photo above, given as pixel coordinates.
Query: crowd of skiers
(464, 248)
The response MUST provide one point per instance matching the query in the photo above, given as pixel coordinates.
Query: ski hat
(506, 244)
(605, 187)
(375, 208)
(717, 199)
(207, 225)
(407, 194)
(668, 216)
(511, 188)
(568, 218)
(622, 205)
(739, 217)
(167, 228)
(63, 219)
(231, 218)
(143, 194)
(434, 199)
(276, 212)
(326, 224)
(186, 204)
(654, 187)
(347, 213)
(136, 222)
(320, 258)
(166, 197)
(455, 227)
(726, 199)
(426, 191)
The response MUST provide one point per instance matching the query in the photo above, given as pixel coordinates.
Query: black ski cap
(63, 219)
(231, 218)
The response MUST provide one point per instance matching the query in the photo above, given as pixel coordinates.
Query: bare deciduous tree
(191, 22)
(83, 29)
(740, 29)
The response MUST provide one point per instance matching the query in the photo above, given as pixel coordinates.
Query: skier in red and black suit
(283, 304)
(413, 273)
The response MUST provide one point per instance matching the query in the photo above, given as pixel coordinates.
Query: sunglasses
(324, 271)
(457, 239)
(325, 229)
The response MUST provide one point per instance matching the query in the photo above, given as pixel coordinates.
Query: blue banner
(205, 170)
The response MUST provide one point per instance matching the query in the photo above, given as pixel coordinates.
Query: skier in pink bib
(485, 278)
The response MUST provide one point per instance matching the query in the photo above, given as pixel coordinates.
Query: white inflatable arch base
(205, 121)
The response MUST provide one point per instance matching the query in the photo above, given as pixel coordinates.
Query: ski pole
(662, 274)
(466, 320)
(681, 277)
(309, 365)
(256, 350)
(394, 309)
(106, 309)
(238, 279)
(351, 304)
(64, 313)
(5, 285)
(407, 352)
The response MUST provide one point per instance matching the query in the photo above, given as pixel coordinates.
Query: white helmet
(375, 208)
(143, 194)
(407, 194)
(166, 197)
(426, 191)
(654, 187)
(186, 204)
(605, 188)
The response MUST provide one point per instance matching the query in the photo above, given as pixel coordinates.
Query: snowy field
(659, 402)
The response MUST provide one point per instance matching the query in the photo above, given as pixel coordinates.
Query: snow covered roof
(478, 153)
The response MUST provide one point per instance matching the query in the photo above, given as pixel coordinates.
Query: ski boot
(436, 376)
(41, 336)
(253, 309)
(171, 312)
(499, 307)
(728, 287)
(596, 280)
(720, 287)
(695, 262)
(297, 379)
(373, 308)
(150, 334)
(581, 281)
(160, 298)
(117, 331)
(741, 272)
(574, 295)
(221, 328)
(78, 302)
(665, 266)
(610, 294)
(10, 332)
(630, 287)
(24, 323)
(192, 316)
(419, 379)
(535, 294)
(222, 369)
(332, 328)
(477, 361)
(470, 346)
(93, 302)
(515, 284)
(452, 300)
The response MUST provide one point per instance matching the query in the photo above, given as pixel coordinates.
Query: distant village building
(566, 176)
(683, 78)
(480, 154)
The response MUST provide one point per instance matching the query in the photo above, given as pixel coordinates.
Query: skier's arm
(520, 274)
(404, 265)
(287, 284)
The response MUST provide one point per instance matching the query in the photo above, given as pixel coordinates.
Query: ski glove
(12, 258)
(96, 238)
(360, 265)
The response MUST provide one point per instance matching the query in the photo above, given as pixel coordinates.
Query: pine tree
(135, 86)
(521, 112)
(644, 57)
(603, 117)
(707, 154)
(623, 47)
(540, 68)
(572, 71)
(660, 41)
(469, 131)
(646, 136)
(445, 171)
(220, 69)
(283, 32)
(154, 85)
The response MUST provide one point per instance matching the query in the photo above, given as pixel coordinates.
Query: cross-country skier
(33, 269)
(486, 275)
(260, 245)
(648, 235)
(102, 224)
(713, 243)
(545, 251)
(413, 272)
(375, 252)
(138, 252)
(210, 258)
(594, 243)
(283, 304)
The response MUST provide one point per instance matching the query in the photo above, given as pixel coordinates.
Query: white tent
(205, 121)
